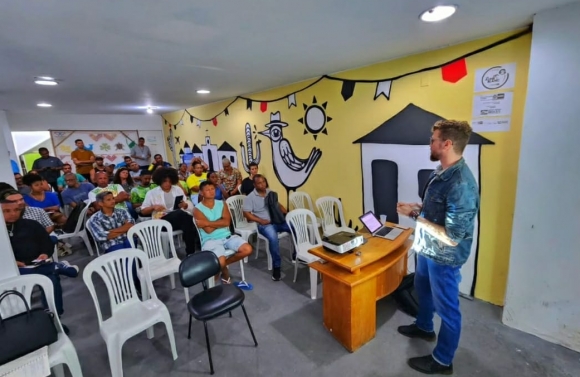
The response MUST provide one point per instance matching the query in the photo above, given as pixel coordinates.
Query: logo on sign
(495, 78)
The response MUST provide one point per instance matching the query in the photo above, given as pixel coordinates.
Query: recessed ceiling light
(45, 80)
(43, 104)
(438, 13)
(203, 91)
(149, 110)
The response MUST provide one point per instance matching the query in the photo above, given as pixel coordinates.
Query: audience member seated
(40, 198)
(248, 182)
(33, 249)
(110, 225)
(159, 203)
(256, 209)
(75, 192)
(22, 188)
(98, 166)
(203, 165)
(196, 178)
(230, 177)
(110, 172)
(121, 196)
(158, 163)
(127, 160)
(213, 220)
(135, 171)
(138, 192)
(66, 169)
(123, 178)
(182, 172)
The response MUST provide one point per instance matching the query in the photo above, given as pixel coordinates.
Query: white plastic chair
(82, 233)
(97, 245)
(326, 206)
(229, 253)
(242, 226)
(301, 199)
(298, 221)
(62, 351)
(150, 236)
(129, 315)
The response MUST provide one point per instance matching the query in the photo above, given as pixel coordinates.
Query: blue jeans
(125, 245)
(50, 272)
(271, 231)
(437, 288)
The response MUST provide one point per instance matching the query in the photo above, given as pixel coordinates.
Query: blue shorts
(224, 247)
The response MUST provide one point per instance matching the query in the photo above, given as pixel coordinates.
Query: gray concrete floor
(292, 340)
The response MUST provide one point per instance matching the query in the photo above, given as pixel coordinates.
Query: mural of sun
(315, 118)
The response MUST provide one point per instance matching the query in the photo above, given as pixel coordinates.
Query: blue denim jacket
(451, 200)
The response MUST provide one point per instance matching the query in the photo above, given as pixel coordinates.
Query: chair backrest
(236, 206)
(301, 199)
(12, 305)
(88, 228)
(197, 268)
(150, 235)
(326, 206)
(117, 271)
(81, 220)
(299, 220)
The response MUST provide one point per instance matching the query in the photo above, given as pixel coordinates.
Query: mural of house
(227, 151)
(396, 166)
(213, 155)
(187, 153)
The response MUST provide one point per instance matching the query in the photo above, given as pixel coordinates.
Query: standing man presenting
(48, 167)
(83, 159)
(141, 153)
(443, 238)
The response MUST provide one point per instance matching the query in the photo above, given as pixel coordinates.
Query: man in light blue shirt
(212, 218)
(66, 169)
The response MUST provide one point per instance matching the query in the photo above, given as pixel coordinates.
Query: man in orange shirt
(83, 159)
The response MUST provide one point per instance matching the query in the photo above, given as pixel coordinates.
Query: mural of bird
(291, 171)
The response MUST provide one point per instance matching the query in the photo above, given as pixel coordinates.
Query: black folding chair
(213, 302)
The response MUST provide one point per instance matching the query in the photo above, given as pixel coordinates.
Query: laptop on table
(374, 226)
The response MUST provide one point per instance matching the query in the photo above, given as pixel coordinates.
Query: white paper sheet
(497, 104)
(491, 124)
(496, 77)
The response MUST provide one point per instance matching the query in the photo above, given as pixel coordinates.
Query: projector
(342, 242)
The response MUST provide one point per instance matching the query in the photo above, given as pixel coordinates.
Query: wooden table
(352, 284)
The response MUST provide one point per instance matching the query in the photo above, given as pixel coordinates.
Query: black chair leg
(230, 314)
(189, 332)
(250, 325)
(208, 349)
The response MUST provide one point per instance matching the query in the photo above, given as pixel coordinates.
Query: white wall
(7, 263)
(23, 141)
(7, 136)
(149, 126)
(38, 121)
(543, 294)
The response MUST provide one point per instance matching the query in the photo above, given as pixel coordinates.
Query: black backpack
(405, 296)
(73, 218)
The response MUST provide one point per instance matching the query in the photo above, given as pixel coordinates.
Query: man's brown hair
(458, 131)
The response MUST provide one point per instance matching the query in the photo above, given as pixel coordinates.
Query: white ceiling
(114, 56)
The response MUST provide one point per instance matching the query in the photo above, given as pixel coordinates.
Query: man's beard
(434, 157)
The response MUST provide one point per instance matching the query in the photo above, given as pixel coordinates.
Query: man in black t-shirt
(248, 182)
(32, 249)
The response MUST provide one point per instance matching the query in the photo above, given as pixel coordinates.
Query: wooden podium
(351, 285)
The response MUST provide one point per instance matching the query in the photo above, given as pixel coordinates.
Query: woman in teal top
(212, 218)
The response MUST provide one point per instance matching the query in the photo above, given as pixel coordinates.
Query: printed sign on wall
(496, 77)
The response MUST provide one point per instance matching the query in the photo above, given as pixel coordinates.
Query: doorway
(385, 175)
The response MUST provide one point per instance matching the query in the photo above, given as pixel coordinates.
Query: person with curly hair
(123, 178)
(159, 203)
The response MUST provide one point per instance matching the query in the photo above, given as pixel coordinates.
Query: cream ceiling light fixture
(438, 13)
(45, 80)
(43, 104)
(203, 91)
(149, 109)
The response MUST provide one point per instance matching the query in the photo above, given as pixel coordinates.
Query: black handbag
(25, 332)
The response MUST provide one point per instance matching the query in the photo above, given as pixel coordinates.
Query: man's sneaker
(276, 274)
(428, 365)
(66, 269)
(412, 331)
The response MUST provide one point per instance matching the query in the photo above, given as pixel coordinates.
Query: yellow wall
(338, 172)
